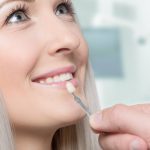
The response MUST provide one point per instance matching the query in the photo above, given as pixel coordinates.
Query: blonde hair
(6, 138)
(75, 137)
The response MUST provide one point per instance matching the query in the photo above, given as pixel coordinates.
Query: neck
(33, 140)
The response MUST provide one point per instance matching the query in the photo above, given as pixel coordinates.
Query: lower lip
(59, 84)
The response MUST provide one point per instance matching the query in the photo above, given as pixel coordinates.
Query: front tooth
(63, 77)
(68, 76)
(56, 79)
(49, 80)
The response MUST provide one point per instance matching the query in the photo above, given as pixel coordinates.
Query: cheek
(84, 53)
(81, 54)
(17, 56)
(82, 59)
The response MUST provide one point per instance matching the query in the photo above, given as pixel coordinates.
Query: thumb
(121, 119)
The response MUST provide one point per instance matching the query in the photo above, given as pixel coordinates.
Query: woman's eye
(62, 9)
(16, 17)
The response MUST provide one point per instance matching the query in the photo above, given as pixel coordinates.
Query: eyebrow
(8, 1)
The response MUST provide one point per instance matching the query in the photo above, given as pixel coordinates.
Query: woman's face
(41, 47)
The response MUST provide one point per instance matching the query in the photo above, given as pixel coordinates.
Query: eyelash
(68, 4)
(25, 9)
(17, 8)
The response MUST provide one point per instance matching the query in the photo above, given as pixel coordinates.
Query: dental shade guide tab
(71, 89)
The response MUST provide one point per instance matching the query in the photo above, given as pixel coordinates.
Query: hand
(123, 127)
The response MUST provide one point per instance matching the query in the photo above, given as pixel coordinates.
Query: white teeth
(57, 78)
(65, 77)
(49, 80)
(62, 77)
(69, 76)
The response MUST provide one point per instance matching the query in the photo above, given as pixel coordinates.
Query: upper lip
(54, 72)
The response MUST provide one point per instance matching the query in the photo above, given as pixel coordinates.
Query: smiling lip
(55, 72)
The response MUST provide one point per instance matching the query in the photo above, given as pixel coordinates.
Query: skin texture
(123, 127)
(44, 42)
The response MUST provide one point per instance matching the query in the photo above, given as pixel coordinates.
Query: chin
(71, 116)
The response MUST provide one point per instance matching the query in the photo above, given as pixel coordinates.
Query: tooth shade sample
(70, 87)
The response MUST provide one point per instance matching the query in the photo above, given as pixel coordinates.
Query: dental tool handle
(83, 106)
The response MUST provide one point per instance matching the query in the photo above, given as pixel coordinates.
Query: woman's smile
(57, 77)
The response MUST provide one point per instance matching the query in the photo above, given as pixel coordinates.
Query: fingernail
(135, 145)
(95, 120)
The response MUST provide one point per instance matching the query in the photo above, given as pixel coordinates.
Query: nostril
(63, 50)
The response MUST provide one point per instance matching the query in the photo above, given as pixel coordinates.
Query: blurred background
(118, 34)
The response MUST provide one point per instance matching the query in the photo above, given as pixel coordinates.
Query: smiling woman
(41, 48)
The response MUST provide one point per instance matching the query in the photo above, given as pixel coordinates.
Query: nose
(60, 36)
